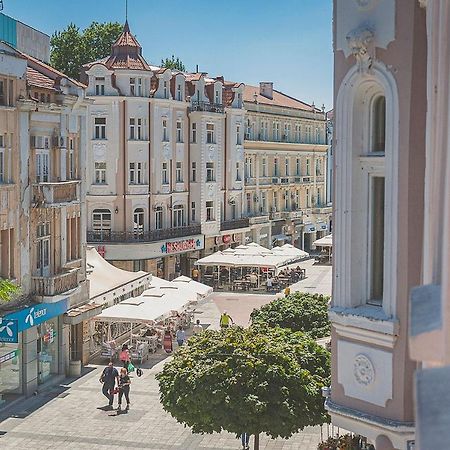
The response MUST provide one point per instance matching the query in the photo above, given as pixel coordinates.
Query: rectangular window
(238, 135)
(275, 167)
(238, 171)
(194, 171)
(71, 167)
(179, 96)
(178, 216)
(99, 85)
(249, 203)
(377, 241)
(165, 174)
(42, 167)
(165, 133)
(2, 141)
(140, 133)
(165, 90)
(136, 173)
(297, 166)
(209, 211)
(159, 218)
(132, 87)
(318, 168)
(193, 216)
(264, 167)
(43, 247)
(210, 175)
(132, 128)
(179, 172)
(100, 128)
(100, 172)
(2, 93)
(287, 132)
(286, 167)
(139, 87)
(297, 133)
(2, 166)
(308, 169)
(194, 133)
(275, 201)
(210, 133)
(308, 199)
(263, 201)
(179, 131)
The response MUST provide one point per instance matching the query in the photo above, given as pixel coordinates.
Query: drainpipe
(124, 129)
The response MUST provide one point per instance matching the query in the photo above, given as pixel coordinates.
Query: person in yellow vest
(225, 320)
(287, 291)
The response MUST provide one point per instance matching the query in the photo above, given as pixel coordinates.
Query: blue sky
(284, 41)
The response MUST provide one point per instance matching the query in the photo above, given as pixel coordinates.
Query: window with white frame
(179, 93)
(132, 128)
(101, 223)
(286, 198)
(318, 167)
(179, 131)
(165, 89)
(71, 165)
(139, 87)
(194, 133)
(100, 172)
(297, 166)
(217, 97)
(233, 209)
(308, 199)
(193, 212)
(239, 100)
(194, 171)
(159, 218)
(210, 138)
(178, 216)
(238, 171)
(263, 201)
(165, 173)
(43, 247)
(318, 198)
(42, 166)
(238, 134)
(317, 136)
(248, 202)
(139, 129)
(297, 200)
(378, 125)
(210, 173)
(264, 166)
(264, 130)
(274, 201)
(2, 166)
(287, 132)
(165, 131)
(209, 211)
(297, 133)
(132, 87)
(100, 128)
(179, 172)
(99, 85)
(275, 167)
(137, 173)
(138, 222)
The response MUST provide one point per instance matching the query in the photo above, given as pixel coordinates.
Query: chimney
(266, 89)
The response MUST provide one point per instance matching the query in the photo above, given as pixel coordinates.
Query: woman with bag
(124, 388)
(167, 341)
(125, 356)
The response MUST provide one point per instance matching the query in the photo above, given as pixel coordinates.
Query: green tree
(298, 311)
(250, 380)
(172, 63)
(8, 290)
(71, 48)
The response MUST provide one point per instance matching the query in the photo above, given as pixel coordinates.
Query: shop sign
(226, 239)
(181, 246)
(8, 356)
(9, 330)
(324, 226)
(37, 314)
(101, 250)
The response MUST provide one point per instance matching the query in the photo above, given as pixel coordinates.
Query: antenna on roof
(126, 10)
(196, 68)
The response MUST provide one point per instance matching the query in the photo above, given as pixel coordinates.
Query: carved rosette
(360, 43)
(363, 370)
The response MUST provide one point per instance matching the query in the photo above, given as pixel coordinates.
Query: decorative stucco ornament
(211, 191)
(166, 152)
(360, 43)
(211, 152)
(365, 4)
(363, 370)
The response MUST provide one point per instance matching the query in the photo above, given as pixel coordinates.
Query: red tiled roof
(37, 79)
(279, 99)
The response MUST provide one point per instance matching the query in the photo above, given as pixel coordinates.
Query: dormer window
(165, 136)
(239, 100)
(217, 97)
(132, 87)
(99, 85)
(165, 90)
(139, 87)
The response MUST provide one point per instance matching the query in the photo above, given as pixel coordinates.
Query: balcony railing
(234, 224)
(55, 284)
(145, 236)
(208, 107)
(49, 193)
(259, 219)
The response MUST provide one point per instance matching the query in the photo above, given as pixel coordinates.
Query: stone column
(29, 361)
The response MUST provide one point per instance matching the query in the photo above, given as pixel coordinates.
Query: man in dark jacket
(109, 378)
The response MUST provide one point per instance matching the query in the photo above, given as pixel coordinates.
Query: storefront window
(47, 349)
(10, 370)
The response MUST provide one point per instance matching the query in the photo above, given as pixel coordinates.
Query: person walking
(245, 438)
(124, 388)
(124, 356)
(109, 378)
(225, 320)
(269, 284)
(167, 341)
(180, 336)
(197, 328)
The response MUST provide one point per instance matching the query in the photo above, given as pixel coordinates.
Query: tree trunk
(256, 445)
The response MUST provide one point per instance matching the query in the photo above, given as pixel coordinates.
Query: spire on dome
(126, 27)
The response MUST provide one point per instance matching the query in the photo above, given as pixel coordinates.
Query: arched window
(101, 224)
(138, 223)
(378, 124)
(178, 216)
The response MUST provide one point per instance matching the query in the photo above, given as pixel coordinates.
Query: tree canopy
(250, 380)
(173, 63)
(298, 311)
(8, 290)
(72, 47)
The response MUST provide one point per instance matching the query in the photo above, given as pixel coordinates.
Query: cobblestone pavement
(67, 417)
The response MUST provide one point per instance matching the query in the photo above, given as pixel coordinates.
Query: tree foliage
(250, 380)
(172, 63)
(72, 47)
(298, 311)
(8, 290)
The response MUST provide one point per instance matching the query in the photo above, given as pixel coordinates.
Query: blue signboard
(9, 330)
(37, 314)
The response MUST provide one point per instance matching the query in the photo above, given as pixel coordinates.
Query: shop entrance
(47, 349)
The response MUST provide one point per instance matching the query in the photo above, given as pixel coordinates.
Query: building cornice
(284, 146)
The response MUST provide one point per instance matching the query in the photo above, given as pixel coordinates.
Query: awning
(75, 316)
(326, 241)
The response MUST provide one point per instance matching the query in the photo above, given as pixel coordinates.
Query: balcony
(55, 284)
(146, 236)
(234, 224)
(276, 215)
(262, 219)
(49, 193)
(285, 180)
(322, 209)
(8, 197)
(207, 107)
